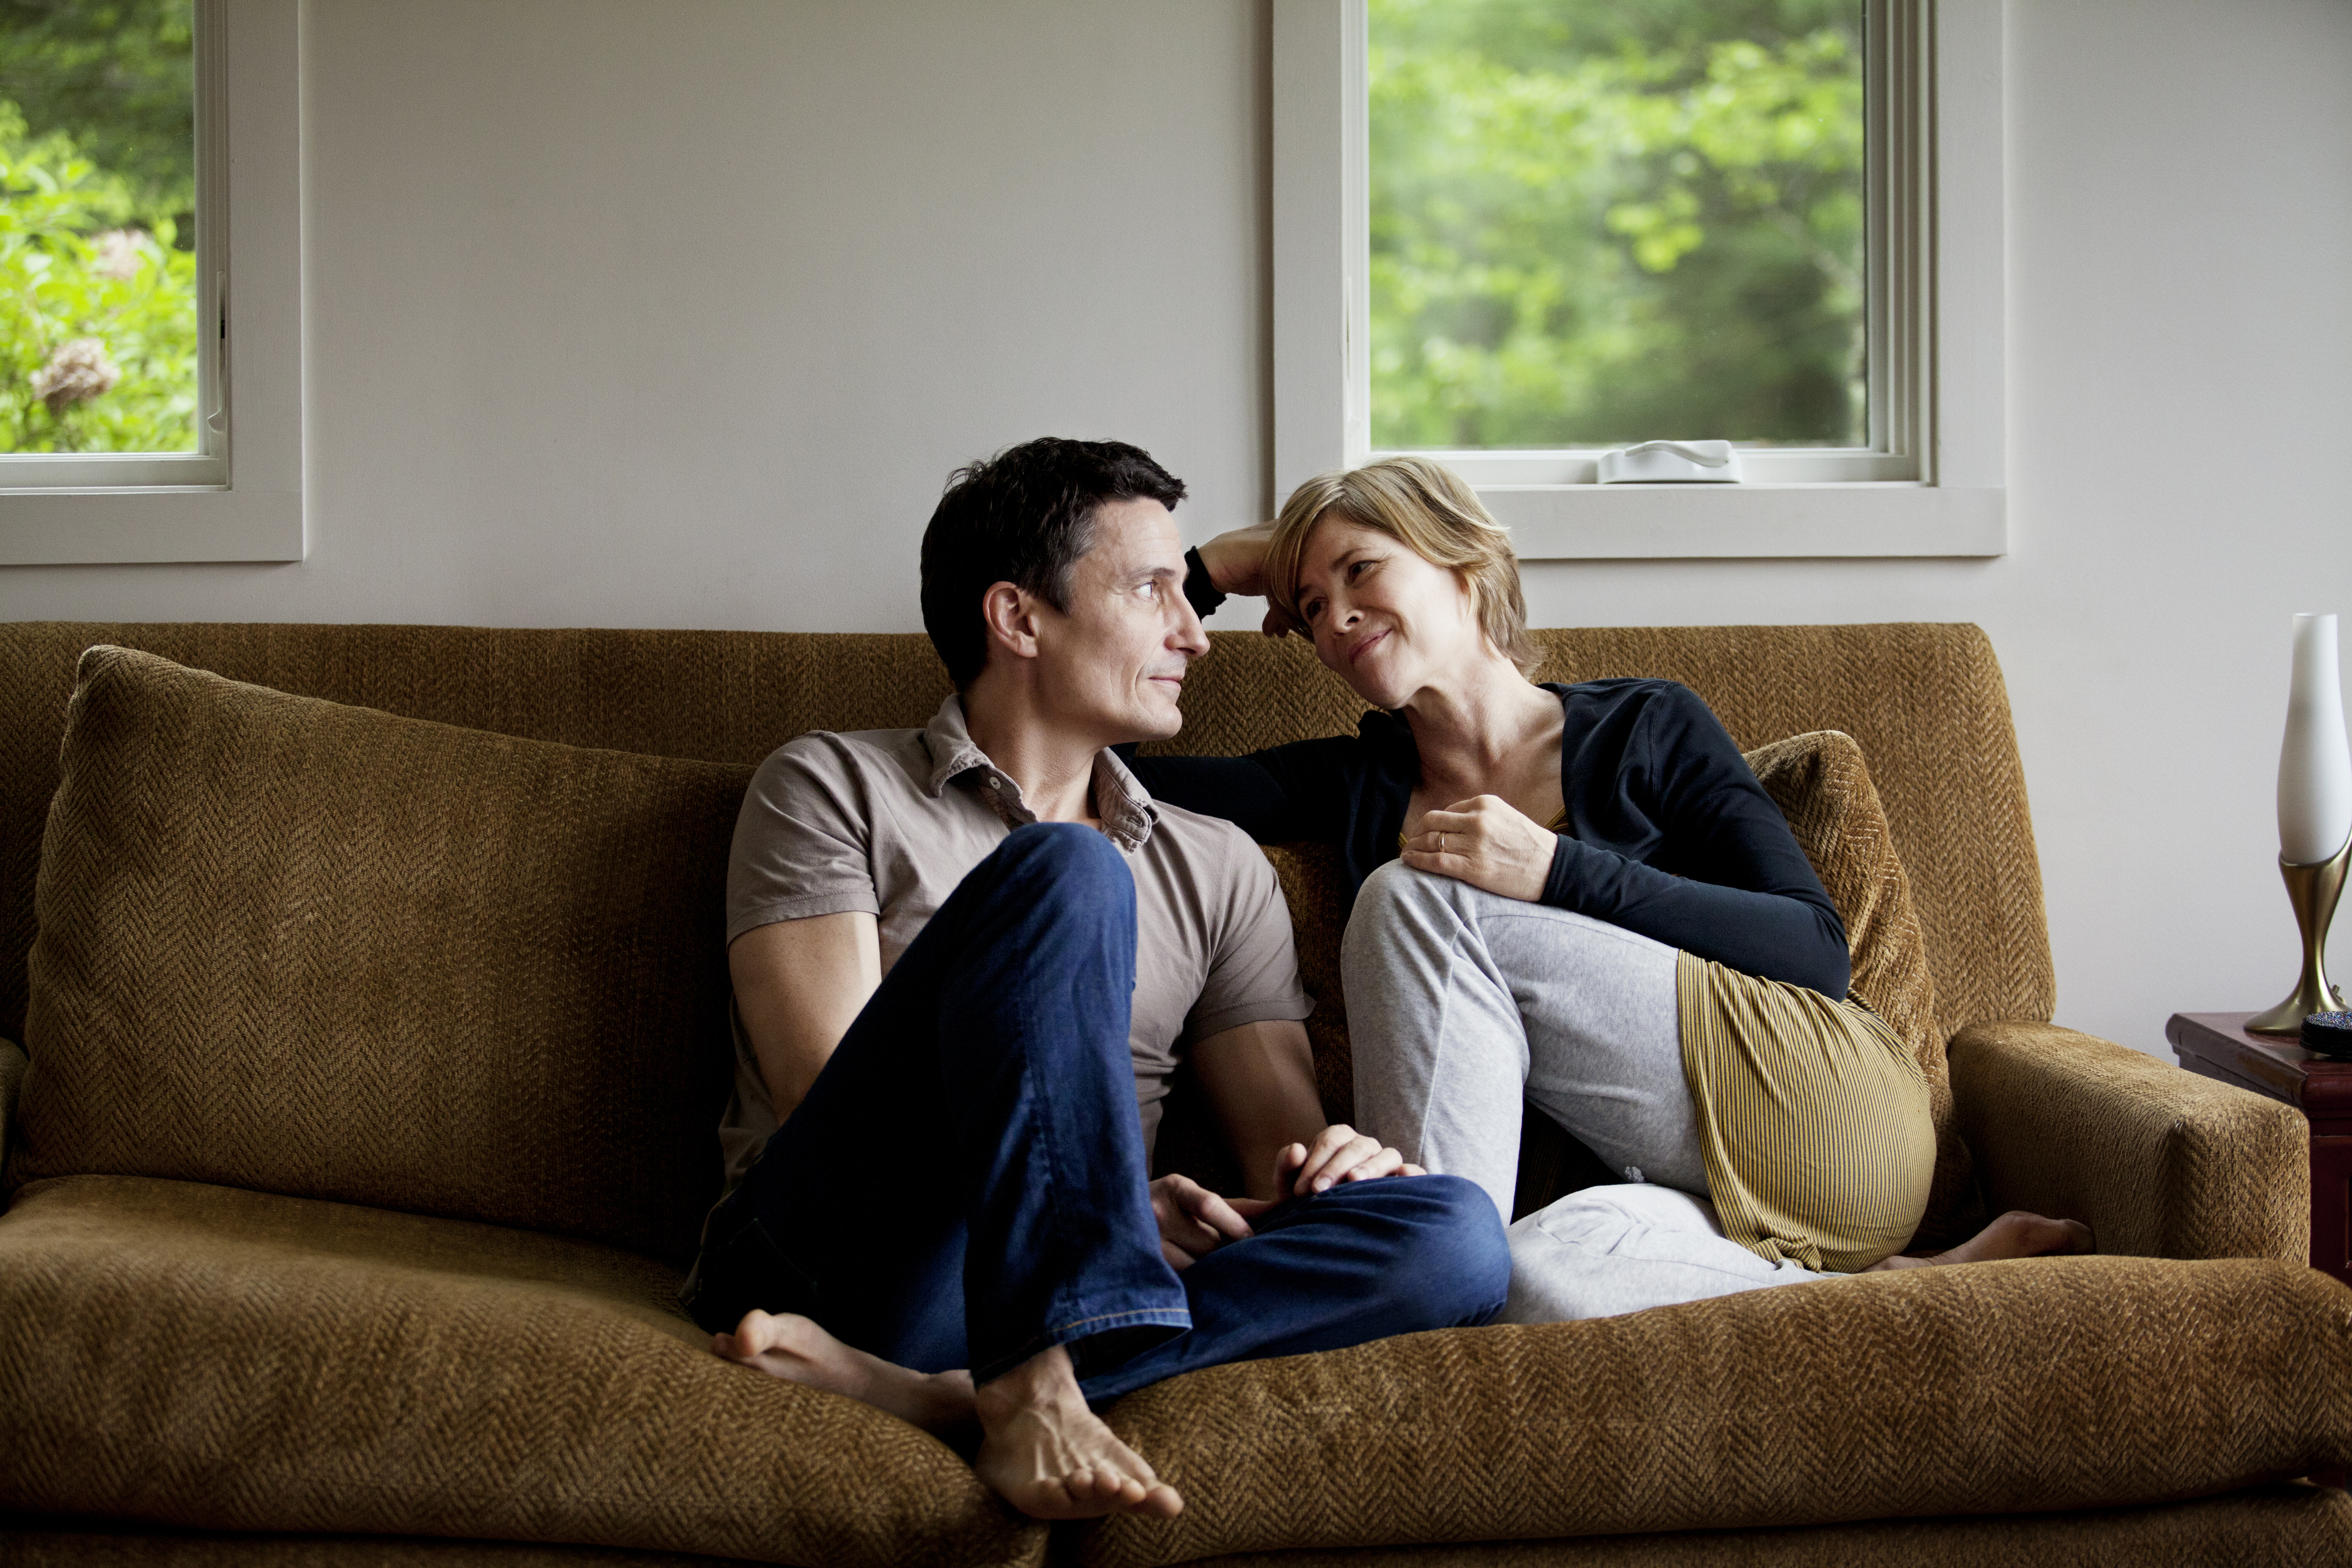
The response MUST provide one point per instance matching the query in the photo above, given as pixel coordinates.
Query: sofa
(372, 1001)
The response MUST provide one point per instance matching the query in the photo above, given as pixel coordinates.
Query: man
(964, 956)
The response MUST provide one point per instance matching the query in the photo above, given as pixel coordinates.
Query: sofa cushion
(2031, 1385)
(204, 1357)
(2260, 1527)
(1822, 786)
(320, 951)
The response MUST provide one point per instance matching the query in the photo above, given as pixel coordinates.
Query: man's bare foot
(1050, 1456)
(2015, 1235)
(795, 1349)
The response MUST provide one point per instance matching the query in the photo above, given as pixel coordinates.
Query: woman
(1577, 895)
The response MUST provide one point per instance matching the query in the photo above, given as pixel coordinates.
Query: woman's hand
(1236, 564)
(1488, 843)
(1340, 1154)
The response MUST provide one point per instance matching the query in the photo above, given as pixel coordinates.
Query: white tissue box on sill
(1670, 462)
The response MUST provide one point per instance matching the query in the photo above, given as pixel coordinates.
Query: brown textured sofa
(373, 1065)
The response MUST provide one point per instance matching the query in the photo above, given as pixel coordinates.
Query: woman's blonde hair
(1427, 508)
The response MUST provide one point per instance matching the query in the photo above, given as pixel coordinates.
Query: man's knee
(1452, 1250)
(1051, 861)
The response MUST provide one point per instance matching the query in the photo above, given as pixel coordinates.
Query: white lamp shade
(2314, 781)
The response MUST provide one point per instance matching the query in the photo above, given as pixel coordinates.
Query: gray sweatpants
(1464, 1004)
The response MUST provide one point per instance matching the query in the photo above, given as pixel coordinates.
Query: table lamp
(2315, 814)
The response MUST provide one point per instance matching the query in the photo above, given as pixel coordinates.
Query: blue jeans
(964, 1184)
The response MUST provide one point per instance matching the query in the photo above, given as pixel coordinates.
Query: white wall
(678, 314)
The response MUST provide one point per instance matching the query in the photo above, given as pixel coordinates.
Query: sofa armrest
(2157, 1161)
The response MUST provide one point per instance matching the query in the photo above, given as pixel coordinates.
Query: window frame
(240, 498)
(1930, 483)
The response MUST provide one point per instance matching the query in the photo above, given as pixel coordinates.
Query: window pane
(98, 267)
(1596, 222)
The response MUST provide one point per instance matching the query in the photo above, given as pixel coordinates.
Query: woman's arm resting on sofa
(2157, 1161)
(799, 985)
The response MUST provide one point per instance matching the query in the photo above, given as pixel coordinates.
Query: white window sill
(258, 516)
(156, 524)
(1748, 521)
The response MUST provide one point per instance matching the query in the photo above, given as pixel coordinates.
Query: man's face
(1112, 667)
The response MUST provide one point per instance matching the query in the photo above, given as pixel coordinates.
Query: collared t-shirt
(889, 821)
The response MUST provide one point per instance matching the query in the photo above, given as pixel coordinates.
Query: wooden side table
(2216, 1044)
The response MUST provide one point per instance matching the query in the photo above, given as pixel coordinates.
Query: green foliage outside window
(1603, 221)
(97, 276)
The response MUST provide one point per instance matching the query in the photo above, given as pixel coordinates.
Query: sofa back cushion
(1926, 703)
(316, 949)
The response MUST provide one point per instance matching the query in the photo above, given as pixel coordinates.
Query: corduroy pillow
(1822, 787)
(315, 950)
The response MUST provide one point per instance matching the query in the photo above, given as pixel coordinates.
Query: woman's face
(1384, 619)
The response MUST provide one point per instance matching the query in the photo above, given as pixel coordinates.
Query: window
(152, 406)
(1511, 266)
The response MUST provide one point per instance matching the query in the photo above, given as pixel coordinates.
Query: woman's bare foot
(795, 1349)
(2015, 1235)
(1049, 1456)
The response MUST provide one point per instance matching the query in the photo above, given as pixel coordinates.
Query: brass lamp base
(2312, 889)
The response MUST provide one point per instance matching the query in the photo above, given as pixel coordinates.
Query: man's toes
(1105, 1484)
(1161, 1502)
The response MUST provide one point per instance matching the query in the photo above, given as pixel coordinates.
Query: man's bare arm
(799, 985)
(1261, 1079)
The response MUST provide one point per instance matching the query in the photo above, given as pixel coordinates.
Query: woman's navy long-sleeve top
(1668, 833)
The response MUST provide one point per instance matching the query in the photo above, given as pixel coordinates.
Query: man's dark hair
(1022, 517)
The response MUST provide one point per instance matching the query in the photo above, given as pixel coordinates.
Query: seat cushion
(2261, 1527)
(196, 1356)
(1991, 1389)
(320, 951)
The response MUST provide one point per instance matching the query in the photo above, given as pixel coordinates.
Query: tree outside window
(98, 271)
(1601, 221)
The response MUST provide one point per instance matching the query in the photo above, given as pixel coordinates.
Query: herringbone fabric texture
(39, 1547)
(2289, 1525)
(320, 951)
(2005, 1388)
(1925, 703)
(2158, 1162)
(722, 696)
(303, 1365)
(1822, 786)
(2285, 1526)
(196, 1356)
(12, 1081)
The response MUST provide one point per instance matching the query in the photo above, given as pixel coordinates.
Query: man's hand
(1194, 1221)
(1488, 843)
(1340, 1154)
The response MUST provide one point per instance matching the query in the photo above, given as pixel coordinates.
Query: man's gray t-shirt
(888, 821)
